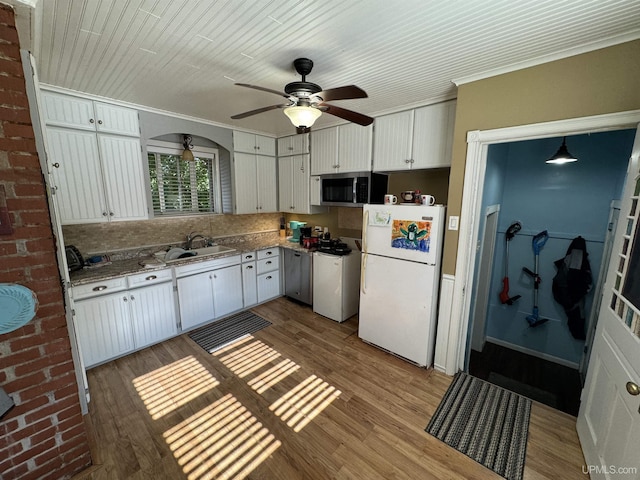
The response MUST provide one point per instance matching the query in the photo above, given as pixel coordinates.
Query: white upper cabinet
(414, 139)
(293, 145)
(324, 151)
(83, 114)
(257, 144)
(293, 173)
(342, 149)
(255, 183)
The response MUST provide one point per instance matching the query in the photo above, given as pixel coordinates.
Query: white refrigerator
(401, 255)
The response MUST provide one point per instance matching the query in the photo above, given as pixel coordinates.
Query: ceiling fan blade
(257, 110)
(350, 115)
(264, 89)
(342, 93)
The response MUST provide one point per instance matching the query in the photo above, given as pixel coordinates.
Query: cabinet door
(67, 111)
(249, 284)
(74, 164)
(433, 135)
(324, 151)
(265, 146)
(354, 148)
(300, 182)
(245, 183)
(195, 295)
(285, 184)
(116, 120)
(244, 142)
(297, 275)
(153, 314)
(315, 187)
(268, 286)
(103, 326)
(267, 184)
(227, 290)
(123, 177)
(392, 145)
(293, 145)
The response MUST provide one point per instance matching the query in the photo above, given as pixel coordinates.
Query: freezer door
(411, 233)
(398, 306)
(327, 285)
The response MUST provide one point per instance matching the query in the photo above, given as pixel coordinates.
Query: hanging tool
(504, 294)
(538, 242)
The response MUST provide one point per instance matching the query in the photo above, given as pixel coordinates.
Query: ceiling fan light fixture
(562, 155)
(302, 116)
(187, 154)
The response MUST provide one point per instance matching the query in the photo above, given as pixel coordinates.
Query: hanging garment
(572, 283)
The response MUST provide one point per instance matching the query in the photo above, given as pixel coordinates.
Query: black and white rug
(485, 422)
(216, 335)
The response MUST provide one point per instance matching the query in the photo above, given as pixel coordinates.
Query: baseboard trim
(534, 353)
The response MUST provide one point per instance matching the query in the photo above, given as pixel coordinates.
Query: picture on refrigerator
(413, 235)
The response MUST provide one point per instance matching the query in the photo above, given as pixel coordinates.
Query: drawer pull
(99, 288)
(151, 277)
(269, 252)
(248, 257)
(249, 267)
(269, 277)
(268, 263)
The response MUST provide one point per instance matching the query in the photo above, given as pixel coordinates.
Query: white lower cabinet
(209, 290)
(114, 324)
(268, 274)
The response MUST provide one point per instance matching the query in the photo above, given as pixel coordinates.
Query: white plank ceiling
(184, 56)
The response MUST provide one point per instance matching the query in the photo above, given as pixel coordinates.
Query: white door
(285, 184)
(195, 295)
(267, 184)
(300, 183)
(483, 285)
(123, 177)
(227, 290)
(354, 148)
(153, 314)
(410, 232)
(324, 151)
(245, 183)
(327, 285)
(397, 307)
(609, 419)
(249, 284)
(393, 145)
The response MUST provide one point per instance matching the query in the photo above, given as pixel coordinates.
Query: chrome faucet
(190, 238)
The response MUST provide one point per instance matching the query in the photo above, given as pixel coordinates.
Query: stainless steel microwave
(352, 189)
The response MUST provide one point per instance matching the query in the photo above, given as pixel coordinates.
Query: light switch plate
(453, 222)
(6, 403)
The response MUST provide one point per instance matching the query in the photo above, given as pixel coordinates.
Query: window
(179, 187)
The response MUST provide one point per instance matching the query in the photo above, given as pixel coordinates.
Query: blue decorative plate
(18, 306)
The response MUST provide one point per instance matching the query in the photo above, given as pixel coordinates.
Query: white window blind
(181, 187)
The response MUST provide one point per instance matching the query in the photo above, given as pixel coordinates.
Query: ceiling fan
(307, 101)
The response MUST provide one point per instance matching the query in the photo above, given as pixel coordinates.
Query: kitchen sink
(178, 254)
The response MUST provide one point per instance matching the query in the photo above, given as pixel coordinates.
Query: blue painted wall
(566, 200)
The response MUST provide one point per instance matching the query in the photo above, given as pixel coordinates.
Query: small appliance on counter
(74, 258)
(295, 230)
(333, 246)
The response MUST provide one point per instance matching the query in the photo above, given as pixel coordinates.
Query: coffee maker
(295, 230)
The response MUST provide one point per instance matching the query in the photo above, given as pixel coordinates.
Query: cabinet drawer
(206, 265)
(267, 265)
(268, 252)
(99, 288)
(149, 278)
(248, 257)
(268, 286)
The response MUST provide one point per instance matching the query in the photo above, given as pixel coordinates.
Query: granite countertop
(148, 263)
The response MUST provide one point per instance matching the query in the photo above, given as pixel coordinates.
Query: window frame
(170, 148)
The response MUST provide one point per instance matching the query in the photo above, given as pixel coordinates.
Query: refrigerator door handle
(363, 273)
(365, 225)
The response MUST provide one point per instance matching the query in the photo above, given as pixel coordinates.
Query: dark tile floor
(547, 382)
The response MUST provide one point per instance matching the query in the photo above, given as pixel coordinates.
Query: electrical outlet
(453, 222)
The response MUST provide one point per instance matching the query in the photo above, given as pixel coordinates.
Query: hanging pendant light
(187, 154)
(562, 155)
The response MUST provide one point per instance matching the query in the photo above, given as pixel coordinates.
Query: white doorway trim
(478, 142)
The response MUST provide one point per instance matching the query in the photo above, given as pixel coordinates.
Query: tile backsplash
(100, 238)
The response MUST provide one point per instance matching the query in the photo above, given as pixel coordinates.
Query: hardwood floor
(302, 399)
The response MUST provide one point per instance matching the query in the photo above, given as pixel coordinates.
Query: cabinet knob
(151, 277)
(407, 161)
(91, 120)
(412, 160)
(56, 165)
(99, 122)
(111, 214)
(269, 277)
(104, 214)
(317, 179)
(124, 298)
(132, 298)
(295, 254)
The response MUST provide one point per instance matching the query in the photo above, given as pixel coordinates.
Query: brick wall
(43, 436)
